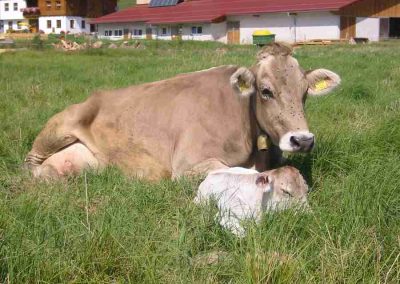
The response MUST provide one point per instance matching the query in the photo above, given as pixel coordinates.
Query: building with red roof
(235, 21)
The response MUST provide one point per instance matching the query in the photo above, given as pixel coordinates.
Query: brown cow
(189, 124)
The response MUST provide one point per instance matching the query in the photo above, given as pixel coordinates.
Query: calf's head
(279, 87)
(284, 188)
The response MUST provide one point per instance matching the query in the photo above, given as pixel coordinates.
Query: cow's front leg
(202, 168)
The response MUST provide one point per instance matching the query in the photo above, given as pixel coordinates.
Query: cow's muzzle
(299, 141)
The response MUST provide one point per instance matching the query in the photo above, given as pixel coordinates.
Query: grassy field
(102, 228)
(122, 4)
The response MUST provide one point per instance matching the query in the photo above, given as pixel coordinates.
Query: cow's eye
(266, 93)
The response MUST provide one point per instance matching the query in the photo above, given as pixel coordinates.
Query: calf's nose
(304, 143)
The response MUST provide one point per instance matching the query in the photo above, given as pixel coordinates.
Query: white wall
(101, 28)
(11, 14)
(321, 25)
(368, 27)
(306, 26)
(218, 32)
(65, 25)
(157, 31)
(205, 35)
(14, 25)
(290, 28)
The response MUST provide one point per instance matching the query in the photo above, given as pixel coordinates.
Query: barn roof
(213, 10)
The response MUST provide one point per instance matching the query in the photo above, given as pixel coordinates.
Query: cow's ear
(264, 181)
(243, 82)
(321, 82)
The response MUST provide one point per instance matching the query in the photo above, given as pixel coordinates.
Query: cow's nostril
(295, 141)
(302, 143)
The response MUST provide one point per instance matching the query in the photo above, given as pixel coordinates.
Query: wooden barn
(72, 15)
(235, 21)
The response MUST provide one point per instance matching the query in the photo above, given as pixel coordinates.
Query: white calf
(245, 194)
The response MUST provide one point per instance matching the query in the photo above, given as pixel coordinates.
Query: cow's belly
(71, 160)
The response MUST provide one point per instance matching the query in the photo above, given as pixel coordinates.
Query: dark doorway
(347, 27)
(394, 27)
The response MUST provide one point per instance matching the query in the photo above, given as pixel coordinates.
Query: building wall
(205, 35)
(65, 24)
(373, 8)
(102, 28)
(82, 8)
(218, 32)
(14, 25)
(369, 28)
(290, 28)
(98, 8)
(11, 14)
(140, 2)
(52, 10)
(209, 31)
(321, 25)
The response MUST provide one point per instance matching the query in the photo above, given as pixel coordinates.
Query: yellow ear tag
(262, 143)
(243, 86)
(321, 85)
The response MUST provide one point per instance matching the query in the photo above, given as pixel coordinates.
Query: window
(137, 32)
(72, 24)
(58, 24)
(15, 6)
(118, 33)
(83, 26)
(6, 7)
(10, 25)
(58, 5)
(197, 30)
(48, 4)
(164, 31)
(49, 24)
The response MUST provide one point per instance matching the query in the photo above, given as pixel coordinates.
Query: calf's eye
(266, 93)
(287, 193)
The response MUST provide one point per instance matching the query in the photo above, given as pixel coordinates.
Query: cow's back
(178, 121)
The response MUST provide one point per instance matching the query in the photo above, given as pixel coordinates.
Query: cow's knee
(202, 168)
(72, 160)
(45, 172)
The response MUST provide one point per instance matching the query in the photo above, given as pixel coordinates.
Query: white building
(235, 21)
(11, 16)
(53, 16)
(68, 24)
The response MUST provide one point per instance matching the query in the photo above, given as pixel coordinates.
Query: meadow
(122, 4)
(105, 228)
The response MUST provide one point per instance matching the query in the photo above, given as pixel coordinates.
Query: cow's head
(279, 88)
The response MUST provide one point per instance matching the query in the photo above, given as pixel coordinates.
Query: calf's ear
(321, 82)
(264, 181)
(243, 82)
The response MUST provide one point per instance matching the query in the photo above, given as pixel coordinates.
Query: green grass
(132, 231)
(122, 4)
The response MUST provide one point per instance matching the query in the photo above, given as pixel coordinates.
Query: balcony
(31, 12)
